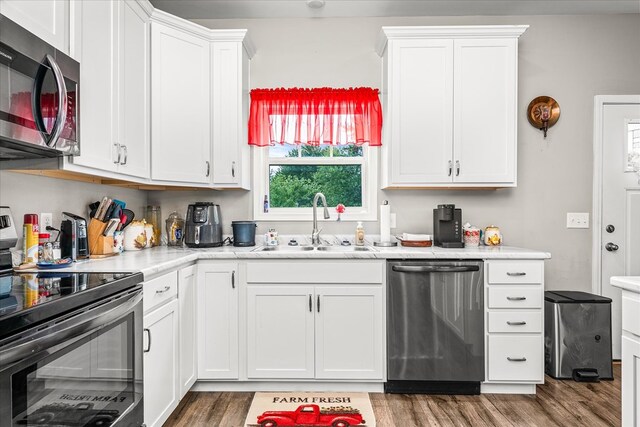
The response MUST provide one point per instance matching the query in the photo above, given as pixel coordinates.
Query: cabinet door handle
(517, 359)
(233, 279)
(208, 167)
(450, 168)
(516, 273)
(162, 291)
(457, 167)
(516, 298)
(148, 331)
(117, 161)
(310, 304)
(318, 303)
(233, 169)
(519, 323)
(126, 155)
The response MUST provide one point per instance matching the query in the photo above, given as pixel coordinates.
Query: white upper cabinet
(180, 122)
(230, 110)
(47, 19)
(112, 43)
(449, 96)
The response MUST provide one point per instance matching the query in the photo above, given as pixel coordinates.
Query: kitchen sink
(285, 248)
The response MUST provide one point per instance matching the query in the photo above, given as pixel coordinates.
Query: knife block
(99, 244)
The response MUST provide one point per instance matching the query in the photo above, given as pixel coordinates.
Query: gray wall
(571, 58)
(37, 194)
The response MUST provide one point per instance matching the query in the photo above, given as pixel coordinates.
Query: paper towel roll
(385, 223)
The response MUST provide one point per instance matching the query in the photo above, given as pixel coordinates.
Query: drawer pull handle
(148, 331)
(166, 288)
(517, 359)
(516, 298)
(516, 273)
(520, 323)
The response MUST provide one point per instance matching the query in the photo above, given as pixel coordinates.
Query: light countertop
(630, 283)
(160, 259)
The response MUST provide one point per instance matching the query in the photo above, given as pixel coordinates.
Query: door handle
(148, 331)
(208, 168)
(233, 169)
(117, 161)
(611, 247)
(318, 303)
(517, 359)
(233, 279)
(516, 298)
(520, 323)
(457, 167)
(310, 304)
(126, 155)
(450, 168)
(434, 269)
(61, 117)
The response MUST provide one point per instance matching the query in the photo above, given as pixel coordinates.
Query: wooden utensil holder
(99, 244)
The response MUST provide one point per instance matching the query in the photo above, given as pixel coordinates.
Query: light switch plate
(577, 220)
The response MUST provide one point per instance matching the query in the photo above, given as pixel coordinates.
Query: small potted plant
(340, 209)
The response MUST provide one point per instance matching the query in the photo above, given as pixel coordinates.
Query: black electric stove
(27, 299)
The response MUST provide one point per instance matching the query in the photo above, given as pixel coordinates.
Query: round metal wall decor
(543, 112)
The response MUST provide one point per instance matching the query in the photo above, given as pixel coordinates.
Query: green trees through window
(292, 186)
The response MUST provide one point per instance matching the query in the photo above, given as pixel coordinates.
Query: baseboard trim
(248, 386)
(491, 388)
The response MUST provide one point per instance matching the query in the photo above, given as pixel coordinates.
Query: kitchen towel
(311, 408)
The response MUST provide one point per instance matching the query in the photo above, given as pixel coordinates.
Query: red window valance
(315, 116)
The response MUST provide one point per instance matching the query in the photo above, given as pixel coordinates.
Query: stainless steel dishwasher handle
(434, 269)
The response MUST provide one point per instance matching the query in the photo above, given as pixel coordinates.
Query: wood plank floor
(557, 403)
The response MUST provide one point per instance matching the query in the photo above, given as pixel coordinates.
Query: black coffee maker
(447, 227)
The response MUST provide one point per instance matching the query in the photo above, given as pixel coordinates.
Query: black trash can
(577, 332)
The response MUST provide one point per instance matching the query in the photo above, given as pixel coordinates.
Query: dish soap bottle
(359, 234)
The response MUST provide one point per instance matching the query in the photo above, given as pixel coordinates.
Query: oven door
(83, 370)
(38, 97)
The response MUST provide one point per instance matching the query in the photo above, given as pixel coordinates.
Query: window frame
(369, 171)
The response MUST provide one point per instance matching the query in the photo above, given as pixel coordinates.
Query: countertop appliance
(52, 359)
(577, 332)
(73, 237)
(8, 239)
(244, 233)
(447, 226)
(203, 227)
(38, 97)
(435, 327)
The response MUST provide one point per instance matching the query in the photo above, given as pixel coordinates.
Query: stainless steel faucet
(315, 234)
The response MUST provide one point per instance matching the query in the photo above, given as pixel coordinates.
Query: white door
(620, 243)
(133, 89)
(180, 123)
(484, 133)
(47, 19)
(280, 331)
(349, 332)
(161, 379)
(217, 321)
(187, 302)
(421, 105)
(97, 45)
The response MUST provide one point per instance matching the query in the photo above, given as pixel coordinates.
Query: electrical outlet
(392, 221)
(578, 220)
(46, 219)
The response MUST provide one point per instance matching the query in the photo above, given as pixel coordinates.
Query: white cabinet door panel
(421, 101)
(217, 321)
(161, 378)
(630, 382)
(485, 110)
(47, 19)
(349, 332)
(187, 310)
(180, 123)
(133, 82)
(280, 331)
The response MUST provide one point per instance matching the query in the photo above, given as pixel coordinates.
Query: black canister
(244, 233)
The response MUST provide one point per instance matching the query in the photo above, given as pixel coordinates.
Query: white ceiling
(242, 9)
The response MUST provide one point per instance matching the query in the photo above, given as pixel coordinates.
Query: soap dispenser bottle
(359, 234)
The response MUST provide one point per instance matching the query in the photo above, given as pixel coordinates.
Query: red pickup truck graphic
(312, 415)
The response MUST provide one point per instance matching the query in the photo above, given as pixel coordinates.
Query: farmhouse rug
(310, 409)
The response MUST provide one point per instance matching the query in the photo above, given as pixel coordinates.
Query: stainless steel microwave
(39, 95)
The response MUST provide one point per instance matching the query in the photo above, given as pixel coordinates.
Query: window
(310, 143)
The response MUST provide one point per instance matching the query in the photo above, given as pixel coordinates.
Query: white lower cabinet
(631, 381)
(217, 321)
(187, 301)
(322, 332)
(514, 292)
(161, 378)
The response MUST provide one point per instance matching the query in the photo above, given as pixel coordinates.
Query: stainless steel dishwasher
(435, 327)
